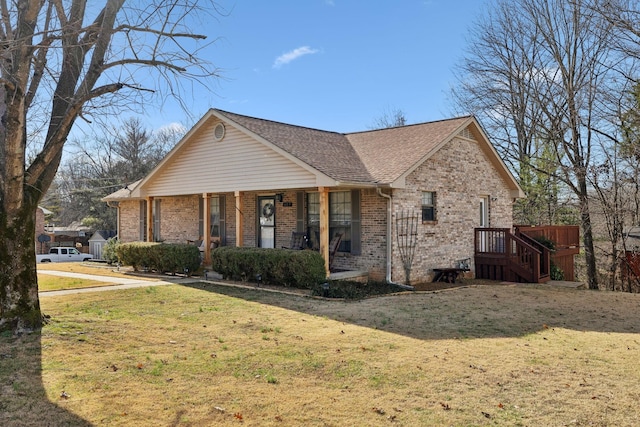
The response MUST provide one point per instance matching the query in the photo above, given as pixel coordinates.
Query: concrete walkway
(116, 282)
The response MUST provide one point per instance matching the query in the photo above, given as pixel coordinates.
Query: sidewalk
(116, 282)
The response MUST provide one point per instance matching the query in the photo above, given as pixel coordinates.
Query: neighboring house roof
(375, 158)
(122, 193)
(102, 235)
(632, 235)
(74, 229)
(45, 210)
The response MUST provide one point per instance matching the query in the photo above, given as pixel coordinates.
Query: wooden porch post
(324, 226)
(149, 219)
(239, 222)
(206, 227)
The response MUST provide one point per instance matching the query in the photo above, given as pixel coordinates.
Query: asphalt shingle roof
(378, 156)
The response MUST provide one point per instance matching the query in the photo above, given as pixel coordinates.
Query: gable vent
(466, 133)
(218, 132)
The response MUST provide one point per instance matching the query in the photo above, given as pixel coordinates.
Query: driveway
(114, 282)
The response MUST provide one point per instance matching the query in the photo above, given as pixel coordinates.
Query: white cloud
(285, 58)
(172, 127)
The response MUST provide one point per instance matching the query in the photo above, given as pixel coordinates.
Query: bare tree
(545, 67)
(390, 118)
(61, 60)
(97, 166)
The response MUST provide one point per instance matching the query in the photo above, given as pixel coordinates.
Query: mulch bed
(437, 286)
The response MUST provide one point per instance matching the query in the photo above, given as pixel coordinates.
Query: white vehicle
(61, 254)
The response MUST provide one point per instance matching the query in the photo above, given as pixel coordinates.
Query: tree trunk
(587, 236)
(19, 304)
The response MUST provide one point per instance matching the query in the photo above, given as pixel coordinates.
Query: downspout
(390, 240)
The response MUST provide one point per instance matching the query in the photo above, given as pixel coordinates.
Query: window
(340, 218)
(428, 206)
(155, 216)
(214, 217)
(143, 221)
(313, 219)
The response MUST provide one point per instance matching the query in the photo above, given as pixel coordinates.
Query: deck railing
(501, 255)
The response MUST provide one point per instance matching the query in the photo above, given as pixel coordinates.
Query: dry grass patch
(54, 283)
(211, 355)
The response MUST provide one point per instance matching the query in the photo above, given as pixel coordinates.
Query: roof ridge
(224, 112)
(411, 125)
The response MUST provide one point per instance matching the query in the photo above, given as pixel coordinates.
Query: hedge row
(162, 257)
(284, 267)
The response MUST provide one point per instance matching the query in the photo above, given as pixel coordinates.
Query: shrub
(556, 272)
(135, 254)
(109, 250)
(298, 269)
(162, 257)
(348, 289)
(545, 241)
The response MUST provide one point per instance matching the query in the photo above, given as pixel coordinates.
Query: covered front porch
(268, 219)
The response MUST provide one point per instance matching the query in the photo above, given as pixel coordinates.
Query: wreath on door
(267, 210)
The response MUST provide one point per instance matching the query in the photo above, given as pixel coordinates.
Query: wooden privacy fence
(566, 239)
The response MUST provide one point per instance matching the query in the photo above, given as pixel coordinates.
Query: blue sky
(336, 65)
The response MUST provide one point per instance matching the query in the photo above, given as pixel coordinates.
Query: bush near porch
(162, 257)
(283, 267)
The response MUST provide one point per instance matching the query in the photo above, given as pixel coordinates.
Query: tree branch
(160, 33)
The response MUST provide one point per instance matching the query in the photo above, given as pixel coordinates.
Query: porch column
(324, 226)
(206, 227)
(239, 222)
(149, 219)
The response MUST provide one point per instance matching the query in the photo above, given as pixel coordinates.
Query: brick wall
(373, 209)
(129, 221)
(460, 173)
(179, 219)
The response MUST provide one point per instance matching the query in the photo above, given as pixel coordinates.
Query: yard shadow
(24, 400)
(475, 311)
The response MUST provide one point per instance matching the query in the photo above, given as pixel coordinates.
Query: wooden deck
(501, 254)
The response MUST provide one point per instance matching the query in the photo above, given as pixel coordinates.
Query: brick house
(41, 214)
(252, 182)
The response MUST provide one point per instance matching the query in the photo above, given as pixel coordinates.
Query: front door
(267, 222)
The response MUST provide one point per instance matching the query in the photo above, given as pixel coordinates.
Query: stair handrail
(533, 263)
(545, 259)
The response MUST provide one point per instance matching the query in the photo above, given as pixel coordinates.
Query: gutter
(389, 240)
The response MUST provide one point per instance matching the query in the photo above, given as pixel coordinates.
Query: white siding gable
(237, 163)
